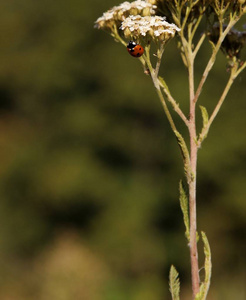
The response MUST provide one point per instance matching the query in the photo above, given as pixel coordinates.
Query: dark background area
(90, 168)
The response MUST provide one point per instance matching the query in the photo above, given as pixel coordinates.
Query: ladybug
(135, 49)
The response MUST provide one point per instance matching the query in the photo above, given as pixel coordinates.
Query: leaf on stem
(204, 115)
(185, 209)
(174, 283)
(185, 154)
(163, 84)
(205, 119)
(197, 237)
(202, 295)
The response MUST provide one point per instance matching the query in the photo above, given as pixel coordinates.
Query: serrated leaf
(185, 209)
(208, 262)
(202, 295)
(205, 119)
(174, 284)
(204, 115)
(185, 154)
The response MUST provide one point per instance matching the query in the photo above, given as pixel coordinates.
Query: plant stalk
(193, 217)
(192, 181)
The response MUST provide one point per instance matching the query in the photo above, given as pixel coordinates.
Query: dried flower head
(117, 14)
(233, 42)
(235, 6)
(154, 27)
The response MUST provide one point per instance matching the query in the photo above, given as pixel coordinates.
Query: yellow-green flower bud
(146, 12)
(127, 33)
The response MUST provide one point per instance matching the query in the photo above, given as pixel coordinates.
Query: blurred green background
(90, 168)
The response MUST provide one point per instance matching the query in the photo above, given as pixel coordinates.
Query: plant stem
(213, 57)
(204, 132)
(192, 181)
(193, 218)
(154, 76)
(174, 104)
(169, 117)
(198, 45)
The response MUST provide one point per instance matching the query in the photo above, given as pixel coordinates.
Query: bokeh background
(90, 168)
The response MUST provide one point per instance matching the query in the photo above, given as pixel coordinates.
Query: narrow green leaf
(174, 284)
(185, 209)
(185, 154)
(197, 237)
(163, 83)
(207, 264)
(204, 115)
(205, 119)
(202, 295)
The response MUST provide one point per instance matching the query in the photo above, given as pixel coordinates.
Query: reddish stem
(192, 206)
(192, 185)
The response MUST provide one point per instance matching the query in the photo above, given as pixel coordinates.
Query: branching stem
(188, 15)
(192, 178)
(213, 57)
(235, 71)
(172, 101)
(154, 76)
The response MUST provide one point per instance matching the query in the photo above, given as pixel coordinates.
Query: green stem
(116, 35)
(199, 44)
(192, 179)
(233, 75)
(196, 26)
(240, 69)
(157, 84)
(212, 58)
(167, 112)
(160, 51)
(174, 104)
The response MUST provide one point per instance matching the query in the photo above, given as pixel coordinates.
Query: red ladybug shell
(135, 49)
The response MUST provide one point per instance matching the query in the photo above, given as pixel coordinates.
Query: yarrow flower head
(117, 14)
(233, 42)
(153, 27)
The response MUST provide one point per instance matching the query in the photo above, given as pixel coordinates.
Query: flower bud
(133, 11)
(127, 33)
(146, 12)
(153, 2)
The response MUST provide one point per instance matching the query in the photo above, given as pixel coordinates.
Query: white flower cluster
(154, 26)
(119, 13)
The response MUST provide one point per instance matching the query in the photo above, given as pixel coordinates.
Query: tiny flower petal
(154, 26)
(119, 13)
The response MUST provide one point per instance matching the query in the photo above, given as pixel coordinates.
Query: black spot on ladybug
(135, 49)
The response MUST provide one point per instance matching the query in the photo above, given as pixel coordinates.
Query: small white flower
(155, 26)
(144, 30)
(157, 33)
(108, 15)
(122, 11)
